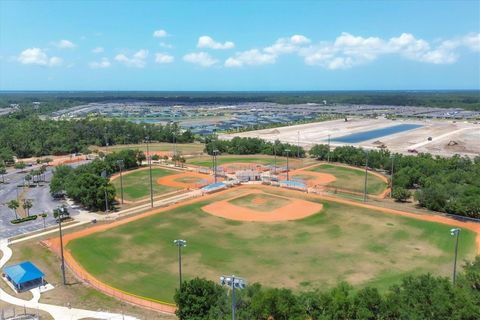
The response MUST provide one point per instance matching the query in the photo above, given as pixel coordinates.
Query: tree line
(240, 145)
(450, 185)
(424, 297)
(86, 183)
(25, 136)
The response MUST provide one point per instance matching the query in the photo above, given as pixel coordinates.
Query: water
(377, 133)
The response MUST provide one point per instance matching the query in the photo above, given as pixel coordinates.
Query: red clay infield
(296, 209)
(175, 180)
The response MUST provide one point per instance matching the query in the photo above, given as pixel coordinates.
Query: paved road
(41, 198)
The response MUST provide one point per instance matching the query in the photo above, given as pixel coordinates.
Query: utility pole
(298, 144)
(149, 159)
(288, 168)
(275, 156)
(391, 177)
(120, 165)
(233, 282)
(215, 164)
(60, 216)
(180, 244)
(104, 175)
(328, 156)
(456, 233)
(366, 177)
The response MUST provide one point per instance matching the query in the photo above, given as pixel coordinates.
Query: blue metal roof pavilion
(24, 275)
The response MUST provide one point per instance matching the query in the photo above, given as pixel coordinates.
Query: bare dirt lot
(447, 137)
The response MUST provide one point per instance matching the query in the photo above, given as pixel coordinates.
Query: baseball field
(353, 179)
(252, 231)
(136, 183)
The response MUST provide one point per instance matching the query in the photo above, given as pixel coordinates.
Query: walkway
(57, 312)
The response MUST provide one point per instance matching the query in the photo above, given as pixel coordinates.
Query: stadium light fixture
(455, 232)
(121, 164)
(366, 177)
(391, 176)
(287, 151)
(234, 283)
(149, 159)
(180, 244)
(215, 164)
(104, 175)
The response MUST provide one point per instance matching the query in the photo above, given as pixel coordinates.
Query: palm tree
(28, 177)
(27, 205)
(13, 204)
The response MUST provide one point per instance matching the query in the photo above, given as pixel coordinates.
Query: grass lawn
(161, 146)
(352, 179)
(260, 202)
(206, 161)
(340, 243)
(136, 185)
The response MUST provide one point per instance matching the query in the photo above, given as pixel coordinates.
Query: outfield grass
(352, 179)
(206, 161)
(136, 185)
(340, 243)
(161, 146)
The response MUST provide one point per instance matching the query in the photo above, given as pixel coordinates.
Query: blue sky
(239, 45)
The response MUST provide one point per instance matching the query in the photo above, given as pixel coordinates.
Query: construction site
(438, 137)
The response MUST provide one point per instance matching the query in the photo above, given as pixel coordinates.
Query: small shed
(24, 276)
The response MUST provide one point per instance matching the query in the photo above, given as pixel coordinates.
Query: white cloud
(102, 64)
(348, 50)
(250, 57)
(163, 58)
(98, 50)
(268, 55)
(165, 45)
(137, 60)
(65, 44)
(201, 58)
(208, 42)
(160, 33)
(39, 57)
(287, 45)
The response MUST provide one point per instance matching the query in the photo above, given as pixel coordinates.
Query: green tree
(401, 194)
(201, 299)
(20, 165)
(27, 205)
(319, 151)
(13, 205)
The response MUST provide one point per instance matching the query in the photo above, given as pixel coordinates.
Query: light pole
(391, 177)
(456, 233)
(215, 153)
(175, 147)
(366, 177)
(298, 144)
(275, 157)
(120, 164)
(234, 283)
(328, 155)
(149, 159)
(104, 175)
(288, 168)
(60, 216)
(180, 244)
